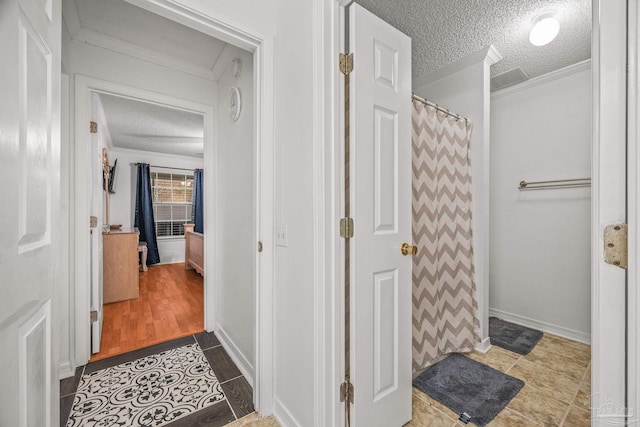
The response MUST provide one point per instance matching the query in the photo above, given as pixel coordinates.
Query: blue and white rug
(151, 391)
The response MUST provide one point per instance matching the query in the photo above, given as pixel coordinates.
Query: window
(172, 199)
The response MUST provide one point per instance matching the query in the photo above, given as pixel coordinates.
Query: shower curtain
(444, 306)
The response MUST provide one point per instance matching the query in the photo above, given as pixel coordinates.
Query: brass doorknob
(407, 249)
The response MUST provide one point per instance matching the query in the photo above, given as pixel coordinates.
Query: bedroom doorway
(142, 81)
(233, 211)
(150, 292)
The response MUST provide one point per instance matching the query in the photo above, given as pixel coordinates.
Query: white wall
(291, 24)
(122, 210)
(235, 231)
(114, 67)
(463, 88)
(540, 240)
(87, 60)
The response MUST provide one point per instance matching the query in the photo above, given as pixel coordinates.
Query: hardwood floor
(171, 305)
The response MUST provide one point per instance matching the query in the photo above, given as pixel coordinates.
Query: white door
(95, 236)
(30, 242)
(380, 93)
(609, 207)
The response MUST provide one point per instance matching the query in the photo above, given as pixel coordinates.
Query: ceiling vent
(508, 78)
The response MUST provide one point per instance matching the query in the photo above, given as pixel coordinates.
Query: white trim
(65, 371)
(235, 354)
(319, 213)
(103, 123)
(608, 201)
(71, 17)
(549, 328)
(155, 153)
(222, 62)
(545, 78)
(84, 87)
(488, 54)
(483, 346)
(230, 29)
(283, 414)
(93, 38)
(633, 212)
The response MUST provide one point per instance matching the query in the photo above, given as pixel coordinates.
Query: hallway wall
(540, 240)
(291, 22)
(235, 202)
(88, 60)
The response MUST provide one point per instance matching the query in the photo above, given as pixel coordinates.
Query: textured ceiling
(143, 126)
(445, 31)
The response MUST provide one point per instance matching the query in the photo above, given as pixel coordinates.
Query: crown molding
(223, 61)
(119, 46)
(545, 78)
(488, 55)
(492, 55)
(159, 154)
(70, 17)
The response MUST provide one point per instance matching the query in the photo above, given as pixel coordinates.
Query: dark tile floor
(239, 393)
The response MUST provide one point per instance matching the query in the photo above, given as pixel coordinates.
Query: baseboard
(483, 346)
(65, 371)
(176, 260)
(561, 331)
(283, 415)
(236, 355)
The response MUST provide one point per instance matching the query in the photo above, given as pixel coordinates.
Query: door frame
(608, 202)
(328, 173)
(329, 305)
(633, 212)
(261, 45)
(84, 87)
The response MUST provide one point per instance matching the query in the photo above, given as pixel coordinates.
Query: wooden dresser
(120, 265)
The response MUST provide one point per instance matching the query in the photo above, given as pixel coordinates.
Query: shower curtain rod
(439, 108)
(162, 167)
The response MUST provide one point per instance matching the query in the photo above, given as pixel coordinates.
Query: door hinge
(93, 221)
(93, 127)
(346, 228)
(346, 63)
(259, 246)
(94, 316)
(346, 392)
(615, 245)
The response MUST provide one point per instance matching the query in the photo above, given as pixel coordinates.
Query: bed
(193, 249)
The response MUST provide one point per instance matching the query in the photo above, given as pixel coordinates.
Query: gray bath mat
(516, 338)
(469, 387)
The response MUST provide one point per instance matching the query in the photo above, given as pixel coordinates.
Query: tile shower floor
(557, 376)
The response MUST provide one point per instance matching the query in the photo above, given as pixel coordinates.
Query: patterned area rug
(151, 391)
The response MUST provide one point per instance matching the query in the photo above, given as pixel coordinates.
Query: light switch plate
(281, 235)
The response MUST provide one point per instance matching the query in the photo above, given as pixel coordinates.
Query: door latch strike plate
(94, 316)
(615, 245)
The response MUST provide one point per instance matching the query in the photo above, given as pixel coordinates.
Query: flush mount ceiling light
(545, 29)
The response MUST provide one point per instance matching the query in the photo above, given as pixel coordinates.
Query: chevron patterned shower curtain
(444, 305)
